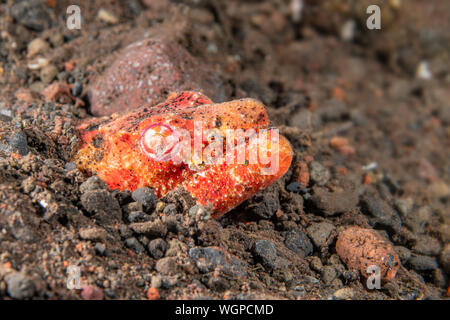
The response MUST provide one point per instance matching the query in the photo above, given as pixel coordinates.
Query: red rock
(361, 248)
(341, 144)
(145, 72)
(91, 293)
(153, 294)
(58, 92)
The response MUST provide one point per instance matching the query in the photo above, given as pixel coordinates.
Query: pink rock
(145, 72)
(91, 293)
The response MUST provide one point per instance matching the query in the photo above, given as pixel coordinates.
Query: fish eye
(157, 141)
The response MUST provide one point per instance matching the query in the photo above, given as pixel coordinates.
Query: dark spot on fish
(218, 122)
(98, 155)
(98, 140)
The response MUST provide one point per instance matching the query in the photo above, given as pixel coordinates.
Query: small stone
(305, 120)
(70, 166)
(57, 39)
(100, 248)
(320, 232)
(144, 240)
(175, 247)
(38, 64)
(138, 216)
(344, 293)
(93, 233)
(101, 203)
(156, 281)
(265, 203)
(146, 197)
(199, 213)
(265, 252)
(166, 265)
(347, 31)
(332, 203)
(107, 16)
(334, 260)
(93, 183)
(132, 207)
(404, 206)
(125, 231)
(417, 220)
(48, 73)
(18, 143)
(422, 263)
(91, 293)
(403, 253)
(423, 71)
(33, 14)
(316, 264)
(217, 283)
(134, 245)
(328, 274)
(381, 215)
(157, 248)
(298, 242)
(427, 245)
(37, 46)
(152, 229)
(19, 286)
(170, 209)
(209, 258)
(318, 173)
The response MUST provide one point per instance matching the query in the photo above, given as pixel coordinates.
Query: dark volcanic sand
(318, 80)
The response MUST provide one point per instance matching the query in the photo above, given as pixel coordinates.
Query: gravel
(318, 173)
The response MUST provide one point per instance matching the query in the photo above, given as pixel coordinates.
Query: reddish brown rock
(153, 294)
(145, 72)
(361, 248)
(91, 293)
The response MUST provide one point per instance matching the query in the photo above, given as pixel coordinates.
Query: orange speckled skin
(110, 149)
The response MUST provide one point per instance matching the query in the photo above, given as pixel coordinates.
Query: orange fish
(222, 154)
